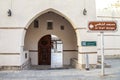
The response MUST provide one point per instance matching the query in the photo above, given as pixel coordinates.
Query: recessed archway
(51, 23)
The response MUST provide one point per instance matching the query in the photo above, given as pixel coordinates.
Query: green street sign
(88, 43)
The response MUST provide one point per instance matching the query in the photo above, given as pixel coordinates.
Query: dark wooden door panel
(44, 50)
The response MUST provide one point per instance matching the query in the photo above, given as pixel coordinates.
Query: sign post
(102, 26)
(102, 54)
(86, 44)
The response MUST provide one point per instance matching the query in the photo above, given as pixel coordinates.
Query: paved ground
(112, 73)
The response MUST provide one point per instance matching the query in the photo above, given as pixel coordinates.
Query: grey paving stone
(112, 73)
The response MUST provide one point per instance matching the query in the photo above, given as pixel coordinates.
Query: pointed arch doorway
(62, 28)
(44, 50)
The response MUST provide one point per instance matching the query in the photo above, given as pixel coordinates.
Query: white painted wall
(25, 56)
(10, 43)
(111, 39)
(10, 40)
(57, 60)
(67, 56)
(21, 15)
(10, 60)
(34, 58)
(111, 44)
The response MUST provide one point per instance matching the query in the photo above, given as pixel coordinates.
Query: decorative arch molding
(68, 48)
(52, 10)
(43, 12)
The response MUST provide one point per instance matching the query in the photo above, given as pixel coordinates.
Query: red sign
(102, 26)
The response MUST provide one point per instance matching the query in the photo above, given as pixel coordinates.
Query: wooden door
(44, 50)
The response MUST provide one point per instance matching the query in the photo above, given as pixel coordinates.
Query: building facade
(111, 39)
(46, 32)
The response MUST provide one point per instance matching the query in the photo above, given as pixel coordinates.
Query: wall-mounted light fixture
(84, 11)
(9, 12)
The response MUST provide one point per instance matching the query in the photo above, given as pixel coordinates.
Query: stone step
(106, 65)
(48, 67)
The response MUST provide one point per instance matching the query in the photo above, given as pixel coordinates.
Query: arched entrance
(41, 29)
(50, 51)
(44, 50)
